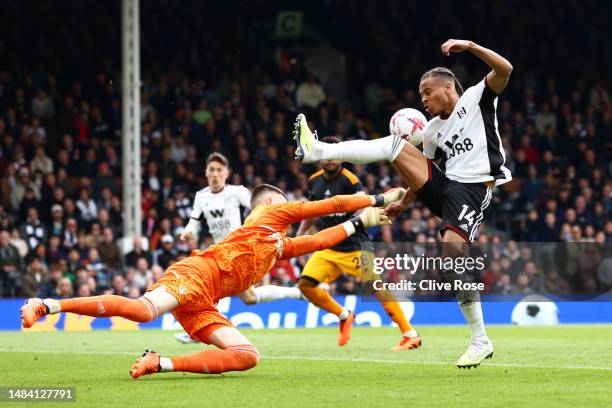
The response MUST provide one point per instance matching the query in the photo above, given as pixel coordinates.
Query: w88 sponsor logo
(459, 147)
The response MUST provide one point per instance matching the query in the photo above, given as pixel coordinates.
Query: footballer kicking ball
(409, 124)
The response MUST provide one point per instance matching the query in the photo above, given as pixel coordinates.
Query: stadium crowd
(60, 142)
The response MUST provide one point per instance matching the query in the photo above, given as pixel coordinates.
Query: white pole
(130, 131)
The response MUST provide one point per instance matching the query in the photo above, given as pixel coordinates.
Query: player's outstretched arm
(348, 203)
(191, 230)
(193, 226)
(329, 237)
(501, 68)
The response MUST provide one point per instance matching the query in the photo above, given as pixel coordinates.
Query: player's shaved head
(263, 191)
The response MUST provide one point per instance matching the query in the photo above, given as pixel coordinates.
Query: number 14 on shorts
(467, 216)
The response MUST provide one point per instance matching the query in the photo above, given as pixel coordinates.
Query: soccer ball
(409, 124)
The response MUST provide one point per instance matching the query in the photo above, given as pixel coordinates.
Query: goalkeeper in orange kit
(191, 288)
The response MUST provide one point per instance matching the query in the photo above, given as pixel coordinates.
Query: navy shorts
(462, 206)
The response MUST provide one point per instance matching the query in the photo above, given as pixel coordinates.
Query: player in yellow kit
(346, 257)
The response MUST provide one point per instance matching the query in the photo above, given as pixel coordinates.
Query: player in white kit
(220, 205)
(463, 137)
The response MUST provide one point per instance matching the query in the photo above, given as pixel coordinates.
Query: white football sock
(166, 365)
(472, 312)
(361, 151)
(269, 293)
(411, 333)
(344, 314)
(53, 305)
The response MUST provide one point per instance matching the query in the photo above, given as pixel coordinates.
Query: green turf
(541, 367)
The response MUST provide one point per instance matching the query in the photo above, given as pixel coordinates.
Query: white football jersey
(221, 210)
(469, 139)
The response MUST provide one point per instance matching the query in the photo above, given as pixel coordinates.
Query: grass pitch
(537, 366)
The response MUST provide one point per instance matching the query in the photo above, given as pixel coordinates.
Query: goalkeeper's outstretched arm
(345, 203)
(329, 237)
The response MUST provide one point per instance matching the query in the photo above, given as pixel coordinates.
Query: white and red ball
(409, 124)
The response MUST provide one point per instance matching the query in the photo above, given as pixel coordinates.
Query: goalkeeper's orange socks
(233, 358)
(138, 310)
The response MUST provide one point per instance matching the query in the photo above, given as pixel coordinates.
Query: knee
(250, 360)
(247, 354)
(306, 283)
(145, 310)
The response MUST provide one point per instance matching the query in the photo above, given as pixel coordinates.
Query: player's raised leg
(143, 309)
(235, 353)
(409, 161)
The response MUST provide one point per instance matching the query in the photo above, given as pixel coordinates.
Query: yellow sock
(396, 314)
(322, 299)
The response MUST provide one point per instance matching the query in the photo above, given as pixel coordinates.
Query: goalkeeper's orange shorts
(195, 282)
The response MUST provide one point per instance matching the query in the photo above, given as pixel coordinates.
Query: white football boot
(476, 353)
(185, 338)
(305, 140)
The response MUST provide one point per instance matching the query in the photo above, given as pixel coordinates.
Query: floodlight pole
(130, 130)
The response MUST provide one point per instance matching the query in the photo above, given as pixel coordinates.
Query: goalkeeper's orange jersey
(249, 252)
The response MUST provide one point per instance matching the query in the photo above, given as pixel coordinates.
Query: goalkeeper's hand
(374, 216)
(391, 196)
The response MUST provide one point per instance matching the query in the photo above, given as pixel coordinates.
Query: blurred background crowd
(216, 79)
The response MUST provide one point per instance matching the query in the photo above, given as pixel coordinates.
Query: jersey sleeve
(197, 211)
(244, 196)
(429, 146)
(311, 243)
(291, 213)
(481, 94)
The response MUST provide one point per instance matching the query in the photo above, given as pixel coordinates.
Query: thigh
(200, 319)
(464, 208)
(433, 192)
(162, 299)
(322, 267)
(412, 166)
(352, 263)
(224, 336)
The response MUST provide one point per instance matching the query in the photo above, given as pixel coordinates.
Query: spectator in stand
(35, 278)
(11, 265)
(164, 256)
(88, 210)
(309, 94)
(109, 251)
(131, 259)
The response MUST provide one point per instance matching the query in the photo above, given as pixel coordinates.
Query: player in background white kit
(219, 204)
(463, 135)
